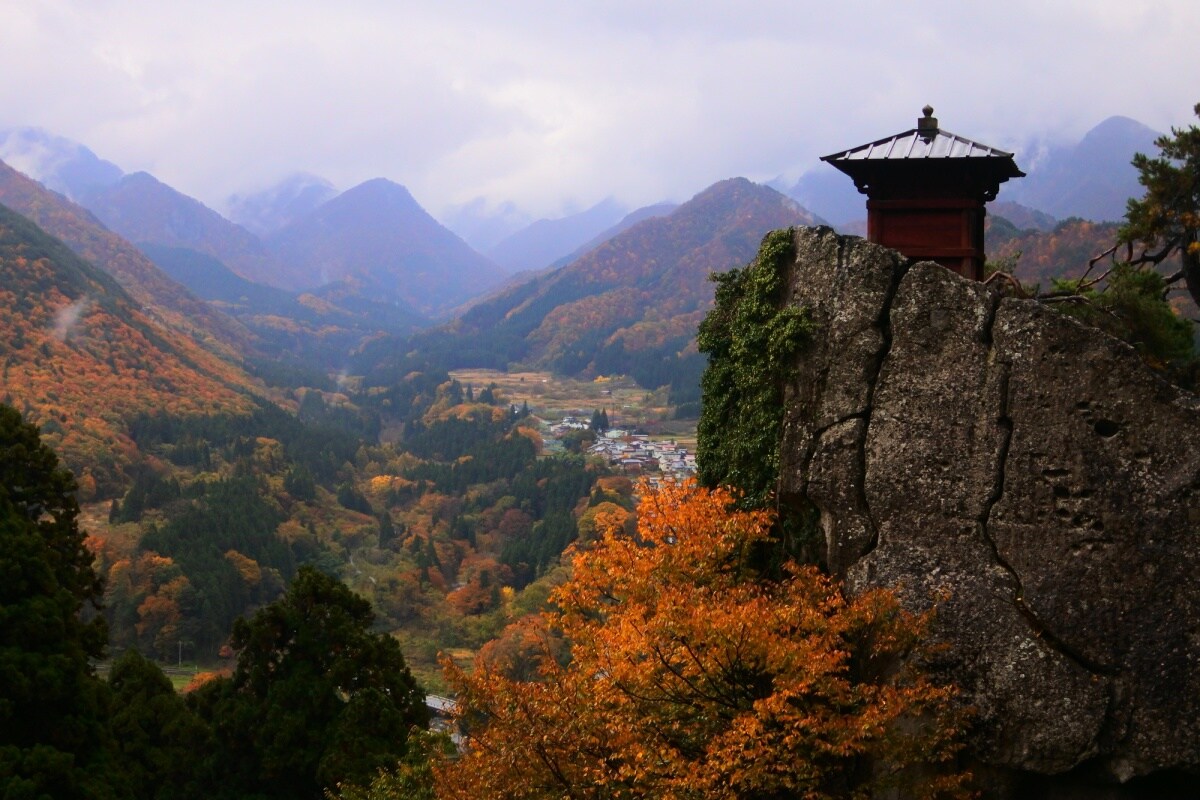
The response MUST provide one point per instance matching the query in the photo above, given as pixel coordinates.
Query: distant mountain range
(59, 164)
(380, 244)
(630, 305)
(482, 225)
(315, 273)
(1092, 179)
(143, 209)
(266, 211)
(547, 240)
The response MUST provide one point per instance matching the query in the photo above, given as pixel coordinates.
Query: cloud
(552, 104)
(67, 317)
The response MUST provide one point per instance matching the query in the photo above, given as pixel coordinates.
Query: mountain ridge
(631, 305)
(142, 208)
(376, 233)
(79, 229)
(82, 359)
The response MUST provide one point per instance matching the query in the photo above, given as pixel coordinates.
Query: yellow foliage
(247, 568)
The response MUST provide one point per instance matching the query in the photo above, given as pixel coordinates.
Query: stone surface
(1028, 474)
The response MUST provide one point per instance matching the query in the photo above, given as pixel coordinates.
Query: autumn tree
(1166, 221)
(691, 676)
(1124, 289)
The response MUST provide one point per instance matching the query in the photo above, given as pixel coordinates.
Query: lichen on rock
(1030, 474)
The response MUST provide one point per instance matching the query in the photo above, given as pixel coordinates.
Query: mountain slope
(264, 212)
(1091, 179)
(141, 208)
(316, 329)
(59, 164)
(80, 358)
(627, 222)
(629, 306)
(385, 248)
(145, 282)
(547, 240)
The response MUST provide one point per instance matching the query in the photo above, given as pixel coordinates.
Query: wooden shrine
(926, 189)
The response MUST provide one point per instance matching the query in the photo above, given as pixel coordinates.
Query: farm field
(552, 397)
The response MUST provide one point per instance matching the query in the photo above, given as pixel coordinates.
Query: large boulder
(1030, 476)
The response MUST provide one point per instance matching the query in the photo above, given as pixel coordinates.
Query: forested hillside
(82, 359)
(629, 306)
(146, 283)
(142, 208)
(441, 530)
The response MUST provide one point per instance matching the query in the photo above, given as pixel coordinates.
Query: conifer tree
(54, 740)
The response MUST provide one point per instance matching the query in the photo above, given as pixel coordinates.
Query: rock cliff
(1030, 475)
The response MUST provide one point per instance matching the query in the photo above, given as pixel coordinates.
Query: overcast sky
(556, 105)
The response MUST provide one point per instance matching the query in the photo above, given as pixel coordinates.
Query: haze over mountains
(303, 270)
(266, 211)
(541, 243)
(376, 235)
(143, 209)
(1091, 179)
(628, 306)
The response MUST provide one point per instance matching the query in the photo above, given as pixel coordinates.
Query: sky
(555, 106)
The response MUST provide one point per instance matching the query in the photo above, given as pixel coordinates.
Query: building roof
(924, 141)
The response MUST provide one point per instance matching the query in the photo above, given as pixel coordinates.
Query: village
(632, 453)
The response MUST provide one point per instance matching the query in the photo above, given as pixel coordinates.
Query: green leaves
(317, 698)
(53, 737)
(752, 338)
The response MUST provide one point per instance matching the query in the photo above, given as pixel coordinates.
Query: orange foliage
(81, 360)
(246, 567)
(201, 678)
(691, 676)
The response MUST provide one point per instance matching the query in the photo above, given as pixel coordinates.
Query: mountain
(828, 193)
(548, 240)
(1023, 217)
(264, 212)
(629, 306)
(166, 299)
(59, 164)
(482, 225)
(627, 222)
(141, 208)
(82, 359)
(1092, 179)
(1063, 251)
(317, 330)
(382, 246)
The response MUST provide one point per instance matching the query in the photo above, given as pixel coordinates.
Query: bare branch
(1015, 284)
(1083, 285)
(1092, 262)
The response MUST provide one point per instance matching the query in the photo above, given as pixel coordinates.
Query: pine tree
(54, 739)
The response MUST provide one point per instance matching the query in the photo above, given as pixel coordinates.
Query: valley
(334, 393)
